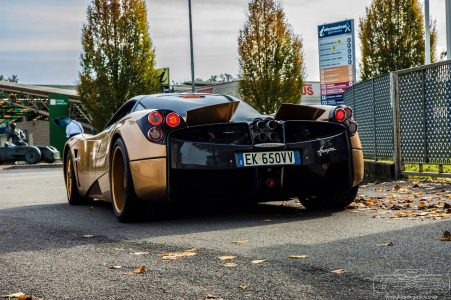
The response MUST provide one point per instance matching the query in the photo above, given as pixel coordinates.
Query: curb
(37, 166)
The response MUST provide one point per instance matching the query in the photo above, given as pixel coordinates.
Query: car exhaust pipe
(271, 124)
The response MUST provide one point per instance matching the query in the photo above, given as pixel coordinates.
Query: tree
(118, 61)
(13, 78)
(392, 37)
(270, 58)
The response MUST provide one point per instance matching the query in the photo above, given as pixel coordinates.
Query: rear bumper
(203, 169)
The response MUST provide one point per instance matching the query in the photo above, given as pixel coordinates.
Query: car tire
(73, 195)
(32, 155)
(126, 205)
(330, 200)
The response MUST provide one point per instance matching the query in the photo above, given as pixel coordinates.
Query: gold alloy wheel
(69, 177)
(118, 181)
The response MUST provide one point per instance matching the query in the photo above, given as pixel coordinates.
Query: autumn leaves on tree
(270, 57)
(392, 36)
(118, 60)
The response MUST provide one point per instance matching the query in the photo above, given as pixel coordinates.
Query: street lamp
(448, 28)
(427, 32)
(193, 85)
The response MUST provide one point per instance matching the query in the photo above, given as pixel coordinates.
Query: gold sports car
(172, 148)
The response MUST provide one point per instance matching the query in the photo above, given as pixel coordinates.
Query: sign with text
(336, 60)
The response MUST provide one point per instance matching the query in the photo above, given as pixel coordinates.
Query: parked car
(29, 154)
(171, 148)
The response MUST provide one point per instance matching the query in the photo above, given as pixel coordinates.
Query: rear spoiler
(218, 113)
(298, 112)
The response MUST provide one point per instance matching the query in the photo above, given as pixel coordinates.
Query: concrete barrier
(379, 171)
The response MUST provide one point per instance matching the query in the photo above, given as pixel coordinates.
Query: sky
(40, 39)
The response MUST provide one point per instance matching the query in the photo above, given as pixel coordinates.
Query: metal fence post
(374, 119)
(425, 132)
(394, 99)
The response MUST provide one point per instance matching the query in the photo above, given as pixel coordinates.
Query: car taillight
(155, 134)
(352, 126)
(348, 112)
(173, 120)
(340, 114)
(155, 118)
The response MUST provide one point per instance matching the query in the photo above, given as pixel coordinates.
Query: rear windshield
(183, 103)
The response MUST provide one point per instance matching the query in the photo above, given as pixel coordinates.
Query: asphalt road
(56, 251)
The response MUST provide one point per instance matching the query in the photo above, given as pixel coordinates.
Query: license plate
(271, 158)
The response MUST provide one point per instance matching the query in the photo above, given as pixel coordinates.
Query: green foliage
(270, 58)
(392, 37)
(118, 61)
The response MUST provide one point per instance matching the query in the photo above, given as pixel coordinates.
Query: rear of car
(230, 160)
(253, 157)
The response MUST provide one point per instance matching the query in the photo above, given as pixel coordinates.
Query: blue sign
(337, 28)
(336, 60)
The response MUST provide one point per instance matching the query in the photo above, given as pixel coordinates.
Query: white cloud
(30, 26)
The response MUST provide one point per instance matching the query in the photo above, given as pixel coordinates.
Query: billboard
(336, 42)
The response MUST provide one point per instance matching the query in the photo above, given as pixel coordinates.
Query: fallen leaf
(139, 253)
(297, 256)
(421, 205)
(245, 286)
(227, 257)
(258, 261)
(140, 270)
(446, 236)
(386, 244)
(169, 256)
(212, 297)
(397, 187)
(240, 242)
(338, 271)
(115, 267)
(14, 295)
(230, 265)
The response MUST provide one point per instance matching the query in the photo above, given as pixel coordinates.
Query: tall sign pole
(427, 31)
(336, 60)
(193, 85)
(448, 28)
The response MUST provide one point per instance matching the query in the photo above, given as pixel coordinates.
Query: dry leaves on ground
(413, 200)
(139, 253)
(245, 286)
(385, 244)
(338, 271)
(446, 236)
(240, 242)
(230, 265)
(227, 257)
(170, 256)
(20, 296)
(138, 270)
(115, 267)
(258, 261)
(297, 256)
(212, 297)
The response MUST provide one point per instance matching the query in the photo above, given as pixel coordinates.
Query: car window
(121, 112)
(139, 107)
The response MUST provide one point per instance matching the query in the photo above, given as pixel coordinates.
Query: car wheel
(330, 200)
(73, 195)
(127, 207)
(32, 155)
